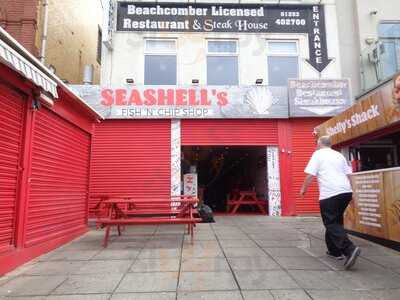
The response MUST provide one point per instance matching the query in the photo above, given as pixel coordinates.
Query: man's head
(324, 142)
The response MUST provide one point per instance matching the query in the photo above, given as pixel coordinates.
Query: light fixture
(259, 81)
(130, 81)
(373, 12)
(195, 81)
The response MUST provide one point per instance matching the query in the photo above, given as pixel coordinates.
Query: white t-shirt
(331, 169)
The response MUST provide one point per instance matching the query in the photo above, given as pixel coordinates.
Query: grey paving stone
(84, 284)
(145, 296)
(105, 267)
(253, 263)
(204, 264)
(55, 268)
(201, 244)
(282, 244)
(201, 251)
(279, 236)
(156, 244)
(388, 294)
(264, 280)
(387, 261)
(226, 295)
(31, 285)
(257, 295)
(84, 246)
(148, 282)
(127, 245)
(245, 243)
(341, 295)
(206, 281)
(79, 297)
(303, 263)
(201, 237)
(156, 265)
(70, 255)
(109, 254)
(290, 295)
(232, 236)
(245, 252)
(288, 252)
(160, 253)
(325, 280)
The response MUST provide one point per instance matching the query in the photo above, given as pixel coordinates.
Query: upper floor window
(282, 62)
(222, 62)
(389, 35)
(160, 62)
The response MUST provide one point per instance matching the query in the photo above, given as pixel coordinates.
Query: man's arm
(306, 184)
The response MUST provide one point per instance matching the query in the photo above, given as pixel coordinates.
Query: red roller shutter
(229, 132)
(12, 111)
(303, 145)
(131, 157)
(58, 180)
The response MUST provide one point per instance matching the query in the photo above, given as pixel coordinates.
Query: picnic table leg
(106, 235)
(188, 229)
(119, 230)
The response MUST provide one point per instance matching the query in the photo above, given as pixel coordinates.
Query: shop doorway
(226, 173)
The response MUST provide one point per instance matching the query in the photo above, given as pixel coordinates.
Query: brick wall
(19, 18)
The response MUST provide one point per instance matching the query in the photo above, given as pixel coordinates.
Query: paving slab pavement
(236, 258)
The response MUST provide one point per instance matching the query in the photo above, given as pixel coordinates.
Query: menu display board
(375, 209)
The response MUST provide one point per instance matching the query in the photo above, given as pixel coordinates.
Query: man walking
(332, 170)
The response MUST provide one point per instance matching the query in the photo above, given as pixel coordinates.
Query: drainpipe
(44, 35)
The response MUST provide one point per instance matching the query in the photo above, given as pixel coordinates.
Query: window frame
(146, 52)
(394, 40)
(282, 54)
(223, 54)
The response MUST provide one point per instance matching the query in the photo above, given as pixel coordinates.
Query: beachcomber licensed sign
(186, 102)
(242, 18)
(319, 97)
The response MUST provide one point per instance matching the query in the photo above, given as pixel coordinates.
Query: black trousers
(332, 210)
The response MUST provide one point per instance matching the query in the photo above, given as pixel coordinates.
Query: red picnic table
(240, 198)
(121, 211)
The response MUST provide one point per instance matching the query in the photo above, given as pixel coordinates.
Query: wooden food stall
(368, 133)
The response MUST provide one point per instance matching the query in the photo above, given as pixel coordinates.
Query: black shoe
(351, 259)
(337, 257)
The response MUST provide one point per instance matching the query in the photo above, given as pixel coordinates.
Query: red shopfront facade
(44, 160)
(134, 156)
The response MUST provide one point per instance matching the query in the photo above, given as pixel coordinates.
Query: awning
(17, 62)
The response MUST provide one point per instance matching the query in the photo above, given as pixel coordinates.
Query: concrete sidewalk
(252, 257)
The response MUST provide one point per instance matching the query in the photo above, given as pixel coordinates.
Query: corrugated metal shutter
(303, 145)
(58, 180)
(131, 157)
(12, 111)
(229, 132)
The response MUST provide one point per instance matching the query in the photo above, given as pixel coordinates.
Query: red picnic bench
(121, 211)
(239, 198)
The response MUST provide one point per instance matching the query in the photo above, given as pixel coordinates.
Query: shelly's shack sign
(241, 18)
(186, 102)
(372, 112)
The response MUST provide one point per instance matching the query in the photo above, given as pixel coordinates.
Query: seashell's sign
(318, 97)
(186, 102)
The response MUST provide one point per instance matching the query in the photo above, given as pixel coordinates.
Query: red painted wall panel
(229, 132)
(131, 157)
(12, 113)
(58, 184)
(303, 145)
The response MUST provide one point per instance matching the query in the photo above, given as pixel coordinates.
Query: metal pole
(44, 34)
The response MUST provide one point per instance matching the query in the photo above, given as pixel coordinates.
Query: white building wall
(126, 60)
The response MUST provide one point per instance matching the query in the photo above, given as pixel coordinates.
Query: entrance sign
(376, 207)
(186, 102)
(319, 97)
(372, 112)
(242, 18)
(175, 157)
